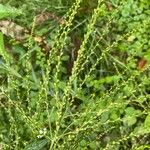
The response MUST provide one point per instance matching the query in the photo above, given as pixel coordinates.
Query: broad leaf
(37, 145)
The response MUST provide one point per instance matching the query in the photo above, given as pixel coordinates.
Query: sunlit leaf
(7, 11)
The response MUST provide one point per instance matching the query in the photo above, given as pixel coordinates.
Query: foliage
(7, 11)
(89, 89)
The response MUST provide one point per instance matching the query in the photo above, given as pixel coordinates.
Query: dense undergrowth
(89, 89)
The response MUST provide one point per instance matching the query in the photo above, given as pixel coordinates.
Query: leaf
(143, 147)
(130, 117)
(147, 56)
(104, 116)
(130, 111)
(129, 121)
(114, 115)
(147, 121)
(3, 52)
(131, 38)
(83, 143)
(11, 71)
(65, 58)
(92, 145)
(37, 145)
(8, 11)
(141, 64)
(125, 11)
(1, 43)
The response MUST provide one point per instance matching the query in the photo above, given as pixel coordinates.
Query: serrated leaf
(36, 145)
(8, 11)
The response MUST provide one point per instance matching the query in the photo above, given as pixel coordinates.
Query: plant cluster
(88, 88)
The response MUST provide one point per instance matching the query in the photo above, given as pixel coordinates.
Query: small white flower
(42, 132)
(39, 136)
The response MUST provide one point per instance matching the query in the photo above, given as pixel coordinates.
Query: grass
(79, 80)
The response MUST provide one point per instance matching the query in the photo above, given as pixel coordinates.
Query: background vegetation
(86, 85)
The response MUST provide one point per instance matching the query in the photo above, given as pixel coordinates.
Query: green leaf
(1, 43)
(147, 121)
(83, 143)
(93, 145)
(131, 38)
(11, 71)
(130, 117)
(125, 11)
(130, 111)
(143, 147)
(104, 117)
(37, 145)
(3, 52)
(7, 11)
(65, 58)
(147, 56)
(129, 121)
(114, 115)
